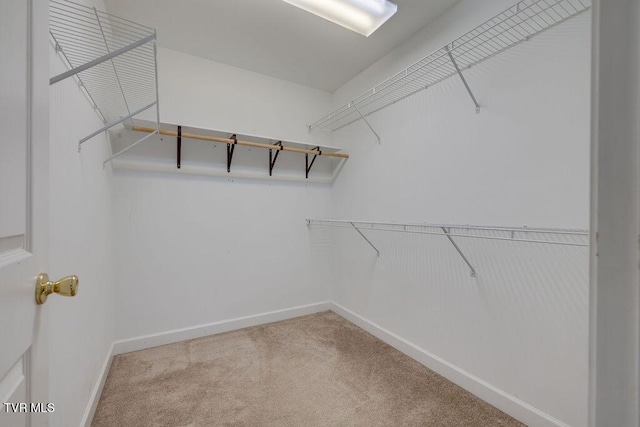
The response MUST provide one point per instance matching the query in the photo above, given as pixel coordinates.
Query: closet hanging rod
(240, 142)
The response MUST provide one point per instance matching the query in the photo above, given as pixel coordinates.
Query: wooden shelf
(190, 150)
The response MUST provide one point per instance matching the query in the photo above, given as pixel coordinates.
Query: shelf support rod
(365, 238)
(155, 70)
(230, 149)
(179, 147)
(367, 122)
(155, 132)
(473, 270)
(113, 64)
(306, 161)
(100, 60)
(112, 124)
(83, 88)
(455, 64)
(272, 160)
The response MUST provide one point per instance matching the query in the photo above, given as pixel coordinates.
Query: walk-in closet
(320, 213)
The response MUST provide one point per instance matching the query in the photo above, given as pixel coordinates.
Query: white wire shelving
(518, 23)
(547, 236)
(114, 61)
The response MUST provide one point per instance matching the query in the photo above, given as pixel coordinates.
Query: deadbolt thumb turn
(44, 287)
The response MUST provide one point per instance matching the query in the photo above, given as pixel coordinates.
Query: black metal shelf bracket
(306, 160)
(272, 162)
(230, 149)
(179, 147)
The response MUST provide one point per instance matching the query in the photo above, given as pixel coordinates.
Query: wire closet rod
(448, 230)
(240, 142)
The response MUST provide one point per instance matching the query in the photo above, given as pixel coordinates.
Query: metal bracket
(81, 84)
(155, 132)
(179, 147)
(367, 122)
(306, 160)
(230, 149)
(455, 64)
(113, 64)
(272, 163)
(473, 270)
(112, 124)
(365, 238)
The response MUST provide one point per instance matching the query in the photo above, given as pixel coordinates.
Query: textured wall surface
(522, 324)
(81, 243)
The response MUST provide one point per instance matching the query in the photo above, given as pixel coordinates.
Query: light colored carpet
(317, 370)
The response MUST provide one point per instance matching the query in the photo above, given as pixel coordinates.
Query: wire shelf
(562, 237)
(518, 23)
(113, 59)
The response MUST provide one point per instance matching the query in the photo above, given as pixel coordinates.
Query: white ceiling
(275, 38)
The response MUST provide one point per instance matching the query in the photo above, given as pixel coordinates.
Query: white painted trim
(186, 169)
(14, 257)
(614, 277)
(94, 398)
(507, 403)
(177, 335)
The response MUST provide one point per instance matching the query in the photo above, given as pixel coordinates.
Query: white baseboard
(177, 335)
(94, 398)
(507, 403)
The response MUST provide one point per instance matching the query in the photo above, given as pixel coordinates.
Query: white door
(24, 167)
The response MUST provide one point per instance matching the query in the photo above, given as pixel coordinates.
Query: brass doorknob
(44, 287)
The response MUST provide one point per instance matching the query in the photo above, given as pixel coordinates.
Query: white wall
(200, 93)
(197, 250)
(522, 325)
(81, 227)
(193, 250)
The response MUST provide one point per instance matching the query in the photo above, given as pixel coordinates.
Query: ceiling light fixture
(361, 16)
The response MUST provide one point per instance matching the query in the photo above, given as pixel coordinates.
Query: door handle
(67, 286)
